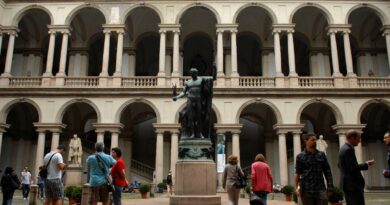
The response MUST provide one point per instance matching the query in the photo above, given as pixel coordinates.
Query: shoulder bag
(110, 184)
(240, 181)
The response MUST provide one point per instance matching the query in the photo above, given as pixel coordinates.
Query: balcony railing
(378, 82)
(313, 82)
(82, 81)
(25, 81)
(257, 82)
(139, 81)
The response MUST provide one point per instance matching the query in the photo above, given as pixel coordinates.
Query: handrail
(142, 169)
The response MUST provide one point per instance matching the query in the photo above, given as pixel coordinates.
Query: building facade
(105, 70)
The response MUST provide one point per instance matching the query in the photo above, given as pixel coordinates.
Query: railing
(256, 82)
(82, 81)
(25, 81)
(139, 81)
(313, 82)
(142, 169)
(373, 82)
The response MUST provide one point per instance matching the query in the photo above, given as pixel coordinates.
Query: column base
(337, 75)
(4, 81)
(47, 74)
(60, 80)
(6, 75)
(195, 200)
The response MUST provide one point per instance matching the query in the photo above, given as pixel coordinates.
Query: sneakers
(24, 198)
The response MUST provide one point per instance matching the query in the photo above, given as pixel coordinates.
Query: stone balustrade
(139, 81)
(315, 82)
(25, 81)
(256, 82)
(371, 82)
(82, 82)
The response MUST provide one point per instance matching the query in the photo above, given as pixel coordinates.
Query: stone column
(10, 53)
(40, 151)
(55, 140)
(174, 151)
(100, 136)
(342, 139)
(283, 159)
(50, 53)
(386, 33)
(2, 130)
(132, 59)
(359, 153)
(236, 145)
(176, 59)
(114, 139)
(161, 68)
(64, 51)
(119, 53)
(1, 41)
(291, 52)
(234, 52)
(159, 156)
(220, 52)
(278, 58)
(297, 145)
(106, 53)
(335, 58)
(348, 55)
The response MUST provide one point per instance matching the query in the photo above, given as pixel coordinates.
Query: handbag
(240, 181)
(254, 199)
(110, 183)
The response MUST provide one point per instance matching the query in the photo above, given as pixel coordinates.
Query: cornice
(53, 127)
(110, 127)
(285, 128)
(233, 128)
(163, 127)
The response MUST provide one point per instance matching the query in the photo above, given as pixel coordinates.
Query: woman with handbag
(230, 174)
(261, 178)
(9, 182)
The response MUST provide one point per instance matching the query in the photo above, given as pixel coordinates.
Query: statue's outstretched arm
(181, 94)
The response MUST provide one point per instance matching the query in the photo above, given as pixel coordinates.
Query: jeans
(117, 195)
(7, 197)
(40, 190)
(26, 190)
(263, 196)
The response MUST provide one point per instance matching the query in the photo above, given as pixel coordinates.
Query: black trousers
(355, 198)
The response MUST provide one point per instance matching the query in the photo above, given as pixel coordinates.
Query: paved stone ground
(372, 198)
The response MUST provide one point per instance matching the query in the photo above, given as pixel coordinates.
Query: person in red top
(118, 175)
(261, 178)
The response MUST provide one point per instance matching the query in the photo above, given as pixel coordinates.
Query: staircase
(142, 170)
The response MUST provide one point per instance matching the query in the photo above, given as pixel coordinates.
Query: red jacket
(261, 177)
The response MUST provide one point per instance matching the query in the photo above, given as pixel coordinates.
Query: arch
(129, 10)
(323, 10)
(8, 107)
(131, 101)
(18, 16)
(278, 115)
(188, 7)
(379, 12)
(336, 111)
(260, 5)
(141, 37)
(369, 102)
(197, 33)
(61, 111)
(213, 107)
(252, 35)
(76, 11)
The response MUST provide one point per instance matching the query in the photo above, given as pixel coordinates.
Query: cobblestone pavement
(372, 198)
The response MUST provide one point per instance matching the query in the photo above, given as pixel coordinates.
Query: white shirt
(26, 177)
(54, 171)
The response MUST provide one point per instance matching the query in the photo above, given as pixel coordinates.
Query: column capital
(283, 27)
(343, 128)
(233, 128)
(335, 28)
(110, 127)
(172, 128)
(226, 27)
(386, 30)
(52, 127)
(3, 127)
(285, 128)
(59, 28)
(175, 28)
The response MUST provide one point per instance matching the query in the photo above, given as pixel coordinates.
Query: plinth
(196, 177)
(73, 175)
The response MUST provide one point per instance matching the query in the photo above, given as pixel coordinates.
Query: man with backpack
(54, 164)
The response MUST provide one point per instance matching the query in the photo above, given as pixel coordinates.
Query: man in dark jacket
(9, 182)
(386, 139)
(352, 181)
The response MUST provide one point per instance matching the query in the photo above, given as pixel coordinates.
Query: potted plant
(161, 186)
(76, 194)
(336, 197)
(68, 192)
(287, 191)
(144, 189)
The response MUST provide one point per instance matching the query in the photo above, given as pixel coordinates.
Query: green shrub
(161, 185)
(287, 190)
(337, 195)
(68, 192)
(77, 192)
(144, 188)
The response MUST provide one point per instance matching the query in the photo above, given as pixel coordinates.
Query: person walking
(311, 165)
(40, 184)
(118, 175)
(228, 178)
(26, 182)
(261, 178)
(97, 177)
(386, 139)
(170, 182)
(352, 181)
(54, 188)
(9, 182)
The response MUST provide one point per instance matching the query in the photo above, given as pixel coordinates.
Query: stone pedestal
(196, 183)
(73, 175)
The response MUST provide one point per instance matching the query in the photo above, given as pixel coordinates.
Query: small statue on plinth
(195, 118)
(321, 144)
(75, 151)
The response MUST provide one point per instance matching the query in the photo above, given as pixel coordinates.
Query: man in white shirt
(26, 182)
(54, 189)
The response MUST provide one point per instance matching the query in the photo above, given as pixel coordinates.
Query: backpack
(44, 171)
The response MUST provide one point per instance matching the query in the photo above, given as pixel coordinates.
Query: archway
(147, 60)
(302, 55)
